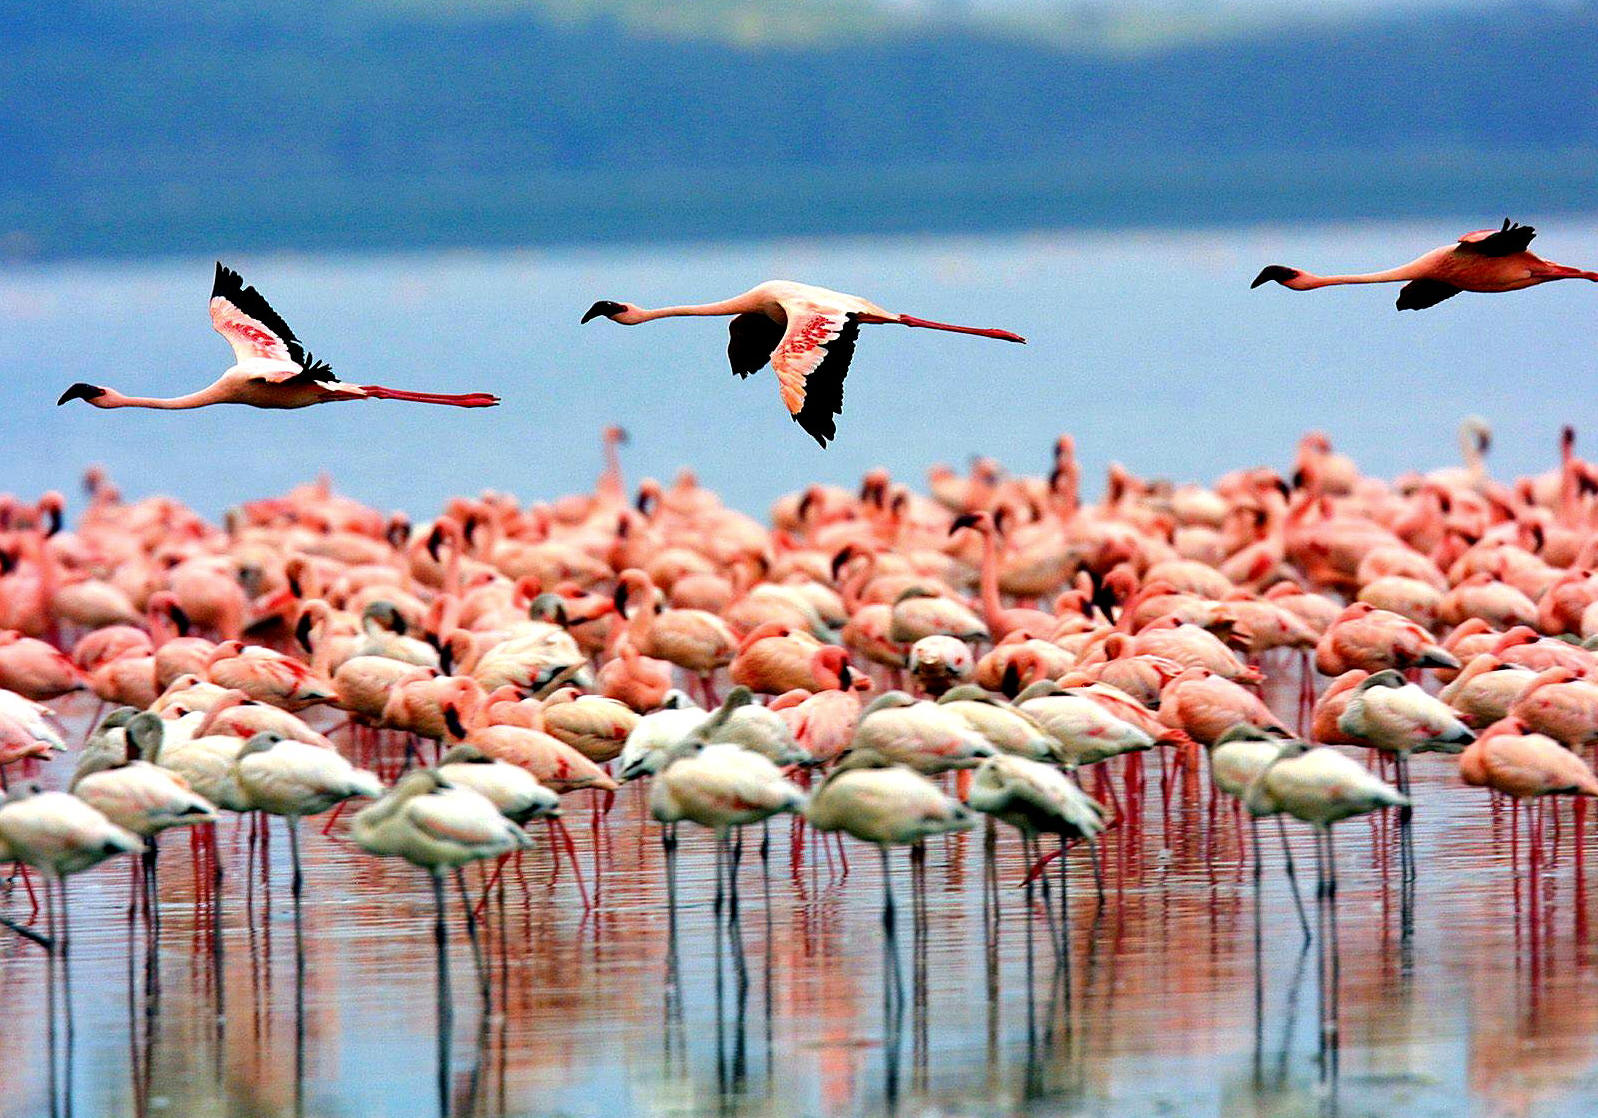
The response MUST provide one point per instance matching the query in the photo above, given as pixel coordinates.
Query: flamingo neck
(111, 398)
(991, 605)
(1306, 281)
(724, 307)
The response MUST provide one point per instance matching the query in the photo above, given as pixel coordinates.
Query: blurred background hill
(135, 126)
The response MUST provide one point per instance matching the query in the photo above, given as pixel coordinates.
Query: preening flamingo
(1486, 260)
(273, 370)
(807, 333)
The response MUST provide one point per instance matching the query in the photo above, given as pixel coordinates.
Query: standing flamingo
(274, 368)
(1321, 787)
(1486, 260)
(807, 333)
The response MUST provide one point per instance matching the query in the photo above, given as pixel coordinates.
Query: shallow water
(1490, 1006)
(1148, 345)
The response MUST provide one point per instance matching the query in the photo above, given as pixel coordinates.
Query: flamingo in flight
(807, 333)
(1486, 260)
(274, 368)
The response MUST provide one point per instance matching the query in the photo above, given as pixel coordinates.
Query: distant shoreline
(1188, 190)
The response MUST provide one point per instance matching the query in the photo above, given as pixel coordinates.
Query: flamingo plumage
(273, 368)
(806, 333)
(1488, 260)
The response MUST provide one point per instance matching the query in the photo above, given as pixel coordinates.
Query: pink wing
(258, 333)
(811, 361)
(248, 337)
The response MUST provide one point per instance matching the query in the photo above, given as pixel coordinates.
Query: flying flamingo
(807, 333)
(274, 368)
(1486, 260)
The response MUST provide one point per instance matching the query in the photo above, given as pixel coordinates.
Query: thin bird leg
(50, 986)
(1292, 876)
(1065, 919)
(668, 843)
(26, 932)
(471, 935)
(1321, 951)
(446, 1011)
(296, 886)
(571, 855)
(488, 886)
(1037, 867)
(1337, 974)
(735, 847)
(63, 947)
(332, 819)
(1098, 869)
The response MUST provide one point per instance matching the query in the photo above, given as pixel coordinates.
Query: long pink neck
(111, 398)
(725, 306)
(1306, 281)
(991, 605)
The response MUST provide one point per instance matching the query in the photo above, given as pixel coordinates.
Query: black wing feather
(752, 339)
(230, 286)
(824, 387)
(1417, 295)
(1512, 238)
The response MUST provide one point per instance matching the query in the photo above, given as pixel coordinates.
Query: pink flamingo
(1486, 260)
(274, 369)
(807, 333)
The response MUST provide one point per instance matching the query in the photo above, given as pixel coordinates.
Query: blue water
(1149, 346)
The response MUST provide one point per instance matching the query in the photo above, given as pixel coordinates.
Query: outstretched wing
(751, 339)
(810, 362)
(1507, 241)
(243, 316)
(1417, 295)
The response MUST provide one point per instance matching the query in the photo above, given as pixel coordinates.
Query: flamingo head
(980, 521)
(616, 312)
(1276, 273)
(81, 391)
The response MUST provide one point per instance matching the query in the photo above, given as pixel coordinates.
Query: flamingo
(281, 776)
(721, 786)
(143, 798)
(1321, 787)
(887, 804)
(438, 826)
(60, 835)
(273, 369)
(1005, 727)
(1485, 260)
(1039, 799)
(807, 333)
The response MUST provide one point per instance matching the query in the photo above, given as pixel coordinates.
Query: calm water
(1153, 351)
(1491, 1007)
(1148, 345)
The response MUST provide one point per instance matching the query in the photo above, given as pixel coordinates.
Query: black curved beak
(964, 520)
(302, 631)
(1277, 272)
(452, 722)
(845, 677)
(180, 621)
(619, 600)
(53, 525)
(80, 391)
(604, 308)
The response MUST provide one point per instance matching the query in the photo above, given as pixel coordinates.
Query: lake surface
(1150, 348)
(1147, 345)
(1488, 1006)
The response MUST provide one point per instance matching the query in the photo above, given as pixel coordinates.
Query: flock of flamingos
(464, 677)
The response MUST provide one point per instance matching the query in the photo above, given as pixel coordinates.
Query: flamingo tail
(464, 400)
